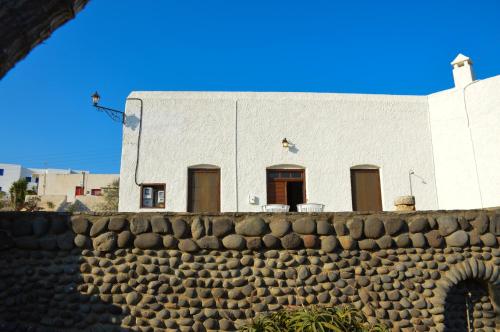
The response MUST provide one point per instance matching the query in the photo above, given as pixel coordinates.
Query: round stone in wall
(279, 227)
(254, 243)
(355, 227)
(489, 240)
(347, 242)
(82, 241)
(457, 239)
(139, 224)
(197, 228)
(305, 225)
(117, 223)
(80, 225)
(252, 226)
(291, 241)
(222, 227)
(270, 241)
(374, 228)
(480, 223)
(105, 242)
(324, 227)
(393, 226)
(419, 225)
(187, 245)
(367, 244)
(447, 225)
(180, 228)
(418, 240)
(148, 241)
(234, 242)
(66, 241)
(209, 242)
(434, 239)
(99, 226)
(124, 239)
(329, 243)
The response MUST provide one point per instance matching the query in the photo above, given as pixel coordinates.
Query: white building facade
(9, 173)
(238, 151)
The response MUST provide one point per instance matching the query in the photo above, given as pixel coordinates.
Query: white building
(9, 173)
(72, 186)
(224, 151)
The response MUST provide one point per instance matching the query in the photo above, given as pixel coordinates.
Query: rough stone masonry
(419, 271)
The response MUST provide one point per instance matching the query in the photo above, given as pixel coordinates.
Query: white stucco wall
(11, 174)
(331, 133)
(466, 141)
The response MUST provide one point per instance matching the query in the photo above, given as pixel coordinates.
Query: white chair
(310, 207)
(275, 208)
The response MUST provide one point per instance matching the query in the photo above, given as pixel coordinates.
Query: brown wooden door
(276, 192)
(365, 186)
(204, 190)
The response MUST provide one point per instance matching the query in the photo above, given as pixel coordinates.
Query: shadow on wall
(45, 285)
(131, 121)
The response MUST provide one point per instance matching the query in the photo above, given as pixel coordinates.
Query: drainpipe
(236, 153)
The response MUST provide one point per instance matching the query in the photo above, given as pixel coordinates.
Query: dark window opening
(1, 171)
(286, 187)
(153, 196)
(28, 179)
(96, 192)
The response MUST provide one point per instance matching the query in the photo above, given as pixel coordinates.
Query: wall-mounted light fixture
(285, 143)
(410, 173)
(115, 115)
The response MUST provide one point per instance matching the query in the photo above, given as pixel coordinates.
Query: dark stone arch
(477, 277)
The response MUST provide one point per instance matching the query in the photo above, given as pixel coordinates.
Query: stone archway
(453, 280)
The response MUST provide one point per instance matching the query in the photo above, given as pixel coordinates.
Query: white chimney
(463, 73)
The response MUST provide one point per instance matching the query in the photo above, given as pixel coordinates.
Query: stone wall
(416, 271)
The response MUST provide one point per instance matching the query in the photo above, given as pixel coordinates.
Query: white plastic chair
(310, 207)
(276, 208)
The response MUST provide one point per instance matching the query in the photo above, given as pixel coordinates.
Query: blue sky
(384, 47)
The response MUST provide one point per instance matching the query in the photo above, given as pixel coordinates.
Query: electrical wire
(138, 140)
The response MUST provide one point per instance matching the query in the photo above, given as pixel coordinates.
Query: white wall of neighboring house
(52, 184)
(465, 124)
(14, 172)
(11, 173)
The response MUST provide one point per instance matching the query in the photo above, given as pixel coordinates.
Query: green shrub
(314, 319)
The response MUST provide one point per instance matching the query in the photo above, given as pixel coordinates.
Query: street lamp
(285, 143)
(115, 115)
(95, 98)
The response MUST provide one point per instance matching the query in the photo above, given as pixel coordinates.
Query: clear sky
(115, 47)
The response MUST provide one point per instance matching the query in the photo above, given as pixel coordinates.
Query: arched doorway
(469, 307)
(468, 290)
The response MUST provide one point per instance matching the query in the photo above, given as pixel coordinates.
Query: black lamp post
(115, 115)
